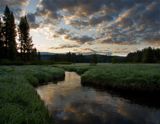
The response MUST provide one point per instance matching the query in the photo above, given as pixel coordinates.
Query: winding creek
(70, 103)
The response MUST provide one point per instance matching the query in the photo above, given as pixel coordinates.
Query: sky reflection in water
(70, 103)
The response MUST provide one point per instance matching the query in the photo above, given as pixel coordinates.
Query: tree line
(10, 49)
(81, 58)
(147, 55)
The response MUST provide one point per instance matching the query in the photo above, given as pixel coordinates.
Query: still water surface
(70, 103)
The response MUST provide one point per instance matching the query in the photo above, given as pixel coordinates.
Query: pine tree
(6, 28)
(12, 43)
(1, 40)
(10, 34)
(26, 45)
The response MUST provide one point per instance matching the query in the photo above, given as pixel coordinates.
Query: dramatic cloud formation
(80, 40)
(96, 23)
(13, 2)
(16, 5)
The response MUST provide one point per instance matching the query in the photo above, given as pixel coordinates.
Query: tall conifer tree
(10, 34)
(1, 40)
(26, 45)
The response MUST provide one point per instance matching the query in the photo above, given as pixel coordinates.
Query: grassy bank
(129, 77)
(19, 102)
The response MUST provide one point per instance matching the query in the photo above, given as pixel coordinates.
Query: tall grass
(19, 102)
(124, 76)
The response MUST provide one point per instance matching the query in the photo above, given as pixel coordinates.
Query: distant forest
(10, 50)
(80, 58)
(147, 55)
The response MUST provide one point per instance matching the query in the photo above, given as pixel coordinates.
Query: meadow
(126, 77)
(19, 102)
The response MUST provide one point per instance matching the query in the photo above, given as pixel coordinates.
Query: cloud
(62, 31)
(117, 22)
(32, 21)
(85, 50)
(14, 3)
(97, 20)
(153, 39)
(31, 17)
(80, 39)
(88, 50)
(17, 6)
(127, 20)
(118, 42)
(65, 46)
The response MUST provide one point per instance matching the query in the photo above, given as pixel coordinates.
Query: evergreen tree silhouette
(10, 34)
(1, 40)
(26, 45)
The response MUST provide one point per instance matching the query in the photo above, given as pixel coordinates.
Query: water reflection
(69, 103)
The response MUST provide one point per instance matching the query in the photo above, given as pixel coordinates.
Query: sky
(114, 27)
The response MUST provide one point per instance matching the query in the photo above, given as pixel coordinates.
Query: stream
(70, 103)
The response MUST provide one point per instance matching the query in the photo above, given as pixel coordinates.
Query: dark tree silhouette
(8, 45)
(10, 34)
(1, 40)
(147, 55)
(94, 60)
(69, 57)
(26, 45)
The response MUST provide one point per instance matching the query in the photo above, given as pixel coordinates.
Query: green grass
(135, 77)
(19, 102)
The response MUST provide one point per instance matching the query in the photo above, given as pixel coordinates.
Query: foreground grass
(19, 102)
(130, 77)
